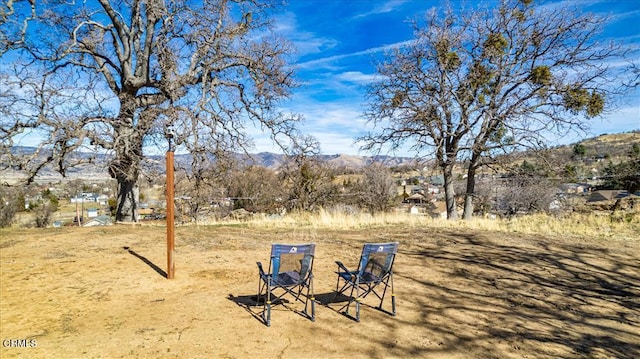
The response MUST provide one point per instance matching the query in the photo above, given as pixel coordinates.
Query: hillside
(599, 151)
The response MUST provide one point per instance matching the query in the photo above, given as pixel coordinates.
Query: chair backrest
(292, 258)
(376, 260)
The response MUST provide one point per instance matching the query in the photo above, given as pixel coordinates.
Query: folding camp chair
(290, 272)
(374, 275)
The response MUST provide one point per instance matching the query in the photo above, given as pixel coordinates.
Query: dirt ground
(101, 292)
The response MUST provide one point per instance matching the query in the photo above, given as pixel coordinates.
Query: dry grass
(624, 226)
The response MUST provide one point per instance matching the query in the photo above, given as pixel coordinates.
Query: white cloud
(334, 125)
(335, 58)
(382, 8)
(356, 77)
(340, 118)
(625, 15)
(332, 132)
(331, 144)
(306, 42)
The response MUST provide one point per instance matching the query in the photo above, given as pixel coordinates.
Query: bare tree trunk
(469, 194)
(449, 191)
(125, 167)
(128, 196)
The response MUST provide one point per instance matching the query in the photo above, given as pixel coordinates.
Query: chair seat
(366, 277)
(284, 279)
(288, 278)
(347, 275)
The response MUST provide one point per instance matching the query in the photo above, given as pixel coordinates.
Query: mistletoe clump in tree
(473, 84)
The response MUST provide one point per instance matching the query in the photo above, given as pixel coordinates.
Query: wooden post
(77, 211)
(170, 217)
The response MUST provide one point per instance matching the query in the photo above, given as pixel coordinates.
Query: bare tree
(116, 77)
(526, 194)
(257, 189)
(307, 180)
(378, 190)
(13, 29)
(474, 84)
(203, 178)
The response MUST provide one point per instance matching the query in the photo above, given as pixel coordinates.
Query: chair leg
(261, 287)
(268, 313)
(313, 299)
(346, 312)
(267, 303)
(357, 301)
(259, 292)
(393, 296)
(393, 304)
(313, 309)
(384, 293)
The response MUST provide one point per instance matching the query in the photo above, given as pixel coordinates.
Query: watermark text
(19, 343)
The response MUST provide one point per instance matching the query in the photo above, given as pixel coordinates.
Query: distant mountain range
(614, 147)
(265, 159)
(273, 160)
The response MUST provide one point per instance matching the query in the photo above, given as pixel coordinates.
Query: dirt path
(100, 292)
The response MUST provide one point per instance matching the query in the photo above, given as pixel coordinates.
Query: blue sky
(339, 41)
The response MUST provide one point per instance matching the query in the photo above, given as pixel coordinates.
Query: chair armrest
(260, 269)
(342, 266)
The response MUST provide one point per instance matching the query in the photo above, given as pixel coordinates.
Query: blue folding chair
(290, 272)
(374, 275)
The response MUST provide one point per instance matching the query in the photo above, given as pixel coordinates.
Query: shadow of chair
(250, 303)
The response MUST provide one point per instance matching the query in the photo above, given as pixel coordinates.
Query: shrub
(43, 215)
(8, 206)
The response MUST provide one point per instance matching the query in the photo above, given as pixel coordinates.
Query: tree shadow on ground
(478, 295)
(542, 297)
(339, 302)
